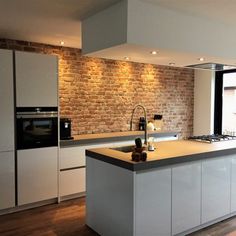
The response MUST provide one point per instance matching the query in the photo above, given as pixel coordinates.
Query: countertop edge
(142, 166)
(108, 159)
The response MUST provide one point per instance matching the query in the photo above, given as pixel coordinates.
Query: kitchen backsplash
(99, 94)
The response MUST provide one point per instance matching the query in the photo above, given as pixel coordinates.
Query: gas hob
(212, 138)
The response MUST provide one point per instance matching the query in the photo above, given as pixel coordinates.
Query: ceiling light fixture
(126, 58)
(201, 59)
(153, 52)
(62, 42)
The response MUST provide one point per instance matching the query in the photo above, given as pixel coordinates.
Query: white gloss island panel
(109, 198)
(233, 184)
(175, 199)
(36, 80)
(216, 177)
(186, 197)
(37, 174)
(152, 202)
(6, 101)
(7, 180)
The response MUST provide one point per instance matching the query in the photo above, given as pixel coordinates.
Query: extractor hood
(212, 66)
(132, 29)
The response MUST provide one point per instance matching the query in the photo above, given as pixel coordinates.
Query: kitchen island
(182, 187)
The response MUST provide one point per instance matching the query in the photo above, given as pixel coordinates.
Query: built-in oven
(37, 127)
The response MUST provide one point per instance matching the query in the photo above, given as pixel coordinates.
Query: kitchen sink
(124, 148)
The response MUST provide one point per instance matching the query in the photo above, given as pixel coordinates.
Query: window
(225, 103)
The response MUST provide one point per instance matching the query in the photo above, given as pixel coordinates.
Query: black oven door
(37, 132)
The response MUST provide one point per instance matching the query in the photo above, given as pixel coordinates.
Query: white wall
(204, 92)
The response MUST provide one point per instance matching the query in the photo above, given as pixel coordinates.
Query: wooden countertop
(166, 153)
(113, 137)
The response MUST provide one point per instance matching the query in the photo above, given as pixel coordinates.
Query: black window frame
(218, 108)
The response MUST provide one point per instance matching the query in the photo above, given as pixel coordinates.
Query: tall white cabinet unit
(7, 175)
(36, 80)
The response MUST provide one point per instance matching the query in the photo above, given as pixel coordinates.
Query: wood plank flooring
(68, 219)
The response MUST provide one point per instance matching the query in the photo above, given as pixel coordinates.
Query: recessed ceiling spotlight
(153, 52)
(62, 42)
(201, 59)
(126, 58)
(171, 64)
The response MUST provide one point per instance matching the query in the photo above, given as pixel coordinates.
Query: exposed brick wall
(99, 94)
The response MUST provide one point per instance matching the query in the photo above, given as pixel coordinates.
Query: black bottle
(142, 123)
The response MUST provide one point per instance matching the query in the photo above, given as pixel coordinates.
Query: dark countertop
(113, 137)
(166, 153)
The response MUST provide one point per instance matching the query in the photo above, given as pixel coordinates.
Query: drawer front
(72, 157)
(72, 182)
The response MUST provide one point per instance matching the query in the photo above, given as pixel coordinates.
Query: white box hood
(134, 28)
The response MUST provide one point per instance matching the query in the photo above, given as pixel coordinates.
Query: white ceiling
(50, 21)
(47, 21)
(219, 10)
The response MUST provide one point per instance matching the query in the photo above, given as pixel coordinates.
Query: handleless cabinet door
(153, 203)
(37, 175)
(233, 185)
(6, 101)
(186, 197)
(215, 188)
(72, 182)
(7, 180)
(36, 80)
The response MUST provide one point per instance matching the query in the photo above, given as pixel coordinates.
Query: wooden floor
(68, 219)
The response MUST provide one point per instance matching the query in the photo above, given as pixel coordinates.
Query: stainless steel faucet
(145, 127)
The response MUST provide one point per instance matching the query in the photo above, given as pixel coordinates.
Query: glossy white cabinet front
(36, 80)
(37, 174)
(72, 181)
(7, 180)
(186, 197)
(6, 101)
(153, 203)
(215, 188)
(233, 184)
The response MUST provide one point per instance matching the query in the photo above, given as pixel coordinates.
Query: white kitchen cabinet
(7, 180)
(36, 80)
(6, 101)
(186, 197)
(72, 181)
(233, 184)
(72, 176)
(215, 188)
(37, 174)
(72, 157)
(153, 202)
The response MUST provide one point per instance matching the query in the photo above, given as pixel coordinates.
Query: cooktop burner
(212, 138)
